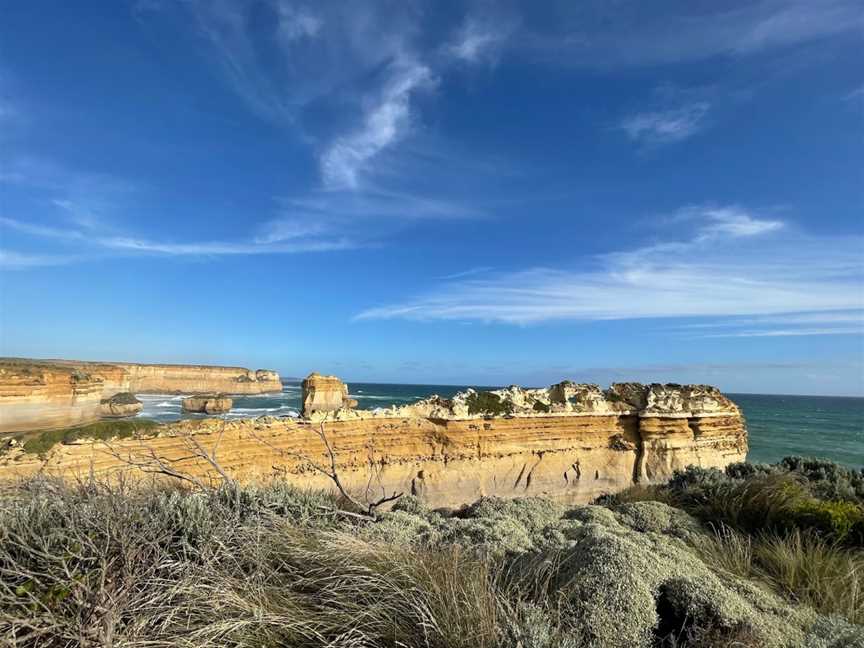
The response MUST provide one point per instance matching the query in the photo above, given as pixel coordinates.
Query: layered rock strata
(569, 442)
(324, 394)
(48, 394)
(120, 405)
(179, 379)
(208, 404)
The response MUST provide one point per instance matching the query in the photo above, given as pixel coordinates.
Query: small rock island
(208, 404)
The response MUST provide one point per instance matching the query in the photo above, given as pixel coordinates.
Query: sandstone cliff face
(324, 394)
(183, 379)
(45, 394)
(450, 451)
(208, 404)
(53, 396)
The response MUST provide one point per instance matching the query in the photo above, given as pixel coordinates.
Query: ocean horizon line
(297, 381)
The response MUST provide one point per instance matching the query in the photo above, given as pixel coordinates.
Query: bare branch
(369, 507)
(149, 461)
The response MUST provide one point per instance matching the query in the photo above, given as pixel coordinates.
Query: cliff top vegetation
(268, 565)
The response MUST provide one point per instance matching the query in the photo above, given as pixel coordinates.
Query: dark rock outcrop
(120, 405)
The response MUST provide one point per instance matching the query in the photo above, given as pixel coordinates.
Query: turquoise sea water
(819, 426)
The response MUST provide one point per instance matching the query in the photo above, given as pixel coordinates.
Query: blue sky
(442, 192)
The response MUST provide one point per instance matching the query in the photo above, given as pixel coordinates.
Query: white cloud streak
(799, 332)
(385, 122)
(480, 37)
(792, 319)
(667, 126)
(723, 274)
(297, 23)
(11, 260)
(727, 221)
(275, 243)
(616, 34)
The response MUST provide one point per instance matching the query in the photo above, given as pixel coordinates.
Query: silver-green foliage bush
(270, 565)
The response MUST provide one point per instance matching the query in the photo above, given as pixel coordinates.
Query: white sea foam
(364, 397)
(254, 410)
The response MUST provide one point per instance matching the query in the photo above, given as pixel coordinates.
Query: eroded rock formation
(35, 396)
(570, 442)
(324, 394)
(208, 404)
(120, 405)
(180, 379)
(48, 394)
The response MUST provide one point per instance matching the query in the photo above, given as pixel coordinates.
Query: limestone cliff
(570, 442)
(323, 394)
(45, 394)
(180, 379)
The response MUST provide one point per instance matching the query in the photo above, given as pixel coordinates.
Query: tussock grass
(147, 565)
(795, 527)
(806, 568)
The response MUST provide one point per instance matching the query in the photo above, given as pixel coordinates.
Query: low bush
(41, 442)
(93, 564)
(796, 494)
(840, 521)
(488, 404)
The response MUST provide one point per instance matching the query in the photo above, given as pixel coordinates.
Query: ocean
(815, 426)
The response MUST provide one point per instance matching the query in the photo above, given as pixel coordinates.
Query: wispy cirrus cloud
(481, 36)
(715, 273)
(363, 65)
(666, 126)
(466, 273)
(12, 260)
(621, 33)
(727, 220)
(792, 332)
(385, 122)
(790, 319)
(829, 322)
(301, 241)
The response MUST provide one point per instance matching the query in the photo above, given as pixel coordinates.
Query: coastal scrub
(271, 565)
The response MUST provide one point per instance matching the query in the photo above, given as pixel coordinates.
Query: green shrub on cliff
(42, 442)
(488, 404)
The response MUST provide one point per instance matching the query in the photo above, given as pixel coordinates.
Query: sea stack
(120, 405)
(208, 404)
(322, 394)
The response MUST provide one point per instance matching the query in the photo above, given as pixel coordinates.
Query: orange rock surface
(45, 394)
(568, 457)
